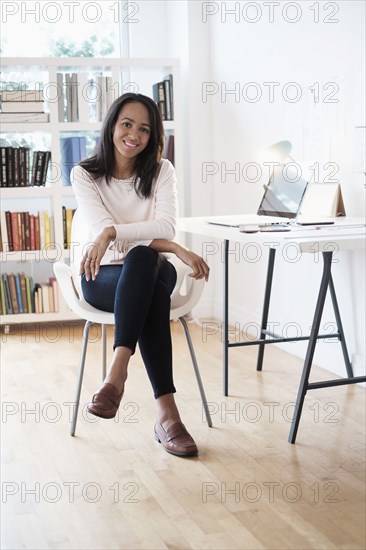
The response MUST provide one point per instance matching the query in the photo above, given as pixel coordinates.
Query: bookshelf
(137, 75)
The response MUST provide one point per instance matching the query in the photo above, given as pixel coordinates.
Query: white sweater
(137, 221)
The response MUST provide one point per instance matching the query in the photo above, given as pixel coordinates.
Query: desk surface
(341, 235)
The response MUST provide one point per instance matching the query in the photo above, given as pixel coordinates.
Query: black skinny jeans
(138, 292)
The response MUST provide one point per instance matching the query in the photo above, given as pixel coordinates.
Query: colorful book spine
(73, 150)
(19, 295)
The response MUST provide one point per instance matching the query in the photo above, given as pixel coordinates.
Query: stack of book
(25, 231)
(23, 106)
(15, 168)
(73, 150)
(163, 96)
(81, 98)
(19, 294)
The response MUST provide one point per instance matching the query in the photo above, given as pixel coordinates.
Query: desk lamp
(280, 151)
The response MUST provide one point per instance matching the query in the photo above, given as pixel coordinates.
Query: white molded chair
(181, 304)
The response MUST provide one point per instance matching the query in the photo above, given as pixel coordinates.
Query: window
(60, 28)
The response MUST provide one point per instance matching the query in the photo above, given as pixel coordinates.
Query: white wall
(230, 52)
(304, 52)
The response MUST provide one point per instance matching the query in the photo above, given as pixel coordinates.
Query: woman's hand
(91, 260)
(198, 264)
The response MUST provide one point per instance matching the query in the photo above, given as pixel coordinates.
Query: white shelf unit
(130, 74)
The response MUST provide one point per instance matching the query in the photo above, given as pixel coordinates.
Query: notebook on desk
(280, 203)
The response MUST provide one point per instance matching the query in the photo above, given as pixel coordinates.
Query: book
(60, 97)
(52, 233)
(24, 117)
(47, 230)
(28, 293)
(15, 231)
(39, 163)
(21, 229)
(159, 98)
(38, 298)
(23, 291)
(37, 232)
(2, 297)
(69, 216)
(3, 173)
(24, 154)
(41, 160)
(51, 298)
(9, 231)
(45, 165)
(18, 293)
(16, 167)
(168, 81)
(68, 96)
(32, 232)
(31, 288)
(64, 226)
(73, 150)
(105, 96)
(27, 239)
(45, 298)
(22, 95)
(74, 98)
(7, 297)
(22, 107)
(41, 230)
(83, 98)
(13, 293)
(9, 166)
(4, 231)
(54, 285)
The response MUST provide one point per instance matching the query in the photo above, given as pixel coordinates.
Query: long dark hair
(102, 162)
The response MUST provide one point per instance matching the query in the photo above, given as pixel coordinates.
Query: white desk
(327, 240)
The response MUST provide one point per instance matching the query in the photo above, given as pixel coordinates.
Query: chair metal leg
(197, 371)
(81, 373)
(104, 351)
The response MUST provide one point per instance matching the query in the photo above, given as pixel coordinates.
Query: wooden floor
(114, 487)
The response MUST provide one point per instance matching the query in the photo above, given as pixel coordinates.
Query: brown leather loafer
(176, 440)
(106, 401)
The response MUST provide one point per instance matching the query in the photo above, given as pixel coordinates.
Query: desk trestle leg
(326, 282)
(226, 319)
(327, 258)
(267, 295)
(340, 328)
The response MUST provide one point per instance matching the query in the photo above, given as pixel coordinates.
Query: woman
(126, 195)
